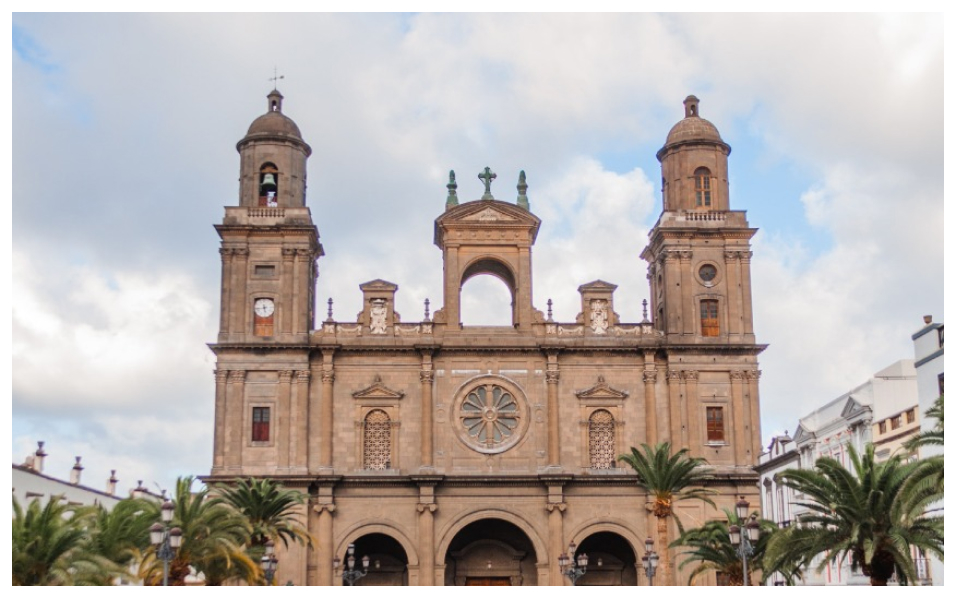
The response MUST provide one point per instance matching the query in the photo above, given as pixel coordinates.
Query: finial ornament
(427, 303)
(275, 77)
(486, 177)
(330, 310)
(644, 303)
(523, 192)
(452, 190)
(549, 311)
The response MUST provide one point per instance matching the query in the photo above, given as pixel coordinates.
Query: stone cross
(486, 177)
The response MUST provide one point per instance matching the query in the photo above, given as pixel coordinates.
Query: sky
(123, 155)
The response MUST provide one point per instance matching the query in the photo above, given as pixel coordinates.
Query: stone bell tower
(269, 242)
(699, 250)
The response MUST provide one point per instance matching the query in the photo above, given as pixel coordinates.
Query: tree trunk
(876, 581)
(662, 543)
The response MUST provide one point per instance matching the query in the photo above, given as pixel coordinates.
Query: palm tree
(270, 509)
(667, 479)
(711, 550)
(121, 535)
(50, 546)
(872, 514)
(213, 537)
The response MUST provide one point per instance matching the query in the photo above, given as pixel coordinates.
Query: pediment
(378, 285)
(486, 213)
(378, 391)
(800, 434)
(602, 390)
(851, 408)
(597, 285)
(489, 215)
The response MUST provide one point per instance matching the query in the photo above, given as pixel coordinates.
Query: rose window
(490, 415)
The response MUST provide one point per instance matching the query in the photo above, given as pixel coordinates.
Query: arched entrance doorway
(611, 561)
(388, 563)
(491, 552)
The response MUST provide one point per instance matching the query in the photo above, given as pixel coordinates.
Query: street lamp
(744, 542)
(567, 563)
(166, 540)
(649, 560)
(351, 574)
(269, 562)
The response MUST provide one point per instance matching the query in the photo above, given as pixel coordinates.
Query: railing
(705, 216)
(266, 212)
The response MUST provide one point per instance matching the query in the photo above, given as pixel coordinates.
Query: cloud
(124, 155)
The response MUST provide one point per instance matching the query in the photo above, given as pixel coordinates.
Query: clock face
(264, 307)
(707, 272)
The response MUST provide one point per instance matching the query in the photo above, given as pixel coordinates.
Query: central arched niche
(491, 552)
(611, 561)
(388, 562)
(484, 271)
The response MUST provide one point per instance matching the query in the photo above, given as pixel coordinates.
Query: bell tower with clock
(269, 242)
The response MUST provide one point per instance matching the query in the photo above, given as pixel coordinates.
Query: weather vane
(275, 77)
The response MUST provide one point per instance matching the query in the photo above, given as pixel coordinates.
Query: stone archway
(611, 560)
(491, 552)
(388, 561)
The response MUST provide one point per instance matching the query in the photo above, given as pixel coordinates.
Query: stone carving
(237, 376)
(650, 376)
(599, 318)
(563, 330)
(328, 376)
(426, 376)
(690, 375)
(407, 329)
(552, 376)
(378, 314)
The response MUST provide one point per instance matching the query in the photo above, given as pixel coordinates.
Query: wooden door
(487, 581)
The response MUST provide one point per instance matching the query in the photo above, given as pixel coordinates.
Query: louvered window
(601, 439)
(378, 441)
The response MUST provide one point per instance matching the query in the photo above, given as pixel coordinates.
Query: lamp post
(165, 539)
(573, 568)
(350, 575)
(649, 560)
(269, 562)
(744, 542)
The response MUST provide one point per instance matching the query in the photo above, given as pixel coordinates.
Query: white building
(849, 420)
(928, 351)
(30, 482)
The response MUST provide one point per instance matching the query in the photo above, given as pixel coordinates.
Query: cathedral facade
(457, 455)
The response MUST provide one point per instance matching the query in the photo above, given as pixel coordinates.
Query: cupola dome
(274, 122)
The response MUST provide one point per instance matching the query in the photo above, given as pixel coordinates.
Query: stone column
(673, 307)
(693, 415)
(452, 288)
(235, 414)
(426, 543)
(673, 411)
(219, 434)
(284, 419)
(286, 302)
(298, 443)
(300, 292)
(737, 421)
(556, 541)
(553, 376)
(326, 429)
(733, 307)
(523, 308)
(745, 295)
(427, 377)
(313, 437)
(753, 422)
(226, 257)
(689, 325)
(322, 574)
(682, 403)
(650, 407)
(239, 308)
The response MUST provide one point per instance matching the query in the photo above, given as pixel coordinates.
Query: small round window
(707, 272)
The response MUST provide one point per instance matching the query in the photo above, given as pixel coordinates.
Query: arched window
(268, 185)
(378, 441)
(601, 439)
(702, 187)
